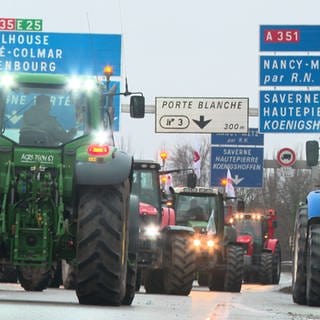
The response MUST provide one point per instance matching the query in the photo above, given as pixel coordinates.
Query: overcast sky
(179, 48)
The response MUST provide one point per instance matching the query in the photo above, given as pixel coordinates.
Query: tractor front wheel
(276, 264)
(313, 262)
(299, 253)
(179, 272)
(265, 268)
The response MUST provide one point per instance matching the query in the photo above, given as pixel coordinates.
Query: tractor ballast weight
(262, 258)
(166, 263)
(219, 258)
(64, 186)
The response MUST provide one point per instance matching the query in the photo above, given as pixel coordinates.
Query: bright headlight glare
(7, 81)
(151, 231)
(89, 84)
(197, 242)
(102, 137)
(74, 83)
(210, 243)
(80, 84)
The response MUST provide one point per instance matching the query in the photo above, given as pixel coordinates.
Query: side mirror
(191, 180)
(137, 106)
(312, 152)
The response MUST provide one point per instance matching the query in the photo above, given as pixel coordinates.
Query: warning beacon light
(163, 155)
(108, 71)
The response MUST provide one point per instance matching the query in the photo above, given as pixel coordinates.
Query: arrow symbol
(201, 122)
(236, 180)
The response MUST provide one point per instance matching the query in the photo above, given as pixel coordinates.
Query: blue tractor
(306, 242)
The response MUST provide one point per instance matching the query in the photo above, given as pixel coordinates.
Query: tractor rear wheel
(180, 269)
(102, 244)
(313, 262)
(34, 278)
(276, 264)
(299, 253)
(265, 268)
(234, 269)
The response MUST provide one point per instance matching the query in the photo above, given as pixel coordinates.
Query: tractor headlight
(151, 231)
(81, 84)
(197, 243)
(210, 243)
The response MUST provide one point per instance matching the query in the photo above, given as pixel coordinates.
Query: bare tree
(181, 157)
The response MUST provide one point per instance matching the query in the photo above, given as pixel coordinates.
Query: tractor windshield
(194, 207)
(145, 186)
(250, 226)
(38, 116)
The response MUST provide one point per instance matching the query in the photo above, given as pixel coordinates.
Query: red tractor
(262, 259)
(166, 265)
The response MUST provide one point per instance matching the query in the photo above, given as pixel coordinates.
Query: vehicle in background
(219, 258)
(166, 263)
(262, 251)
(306, 240)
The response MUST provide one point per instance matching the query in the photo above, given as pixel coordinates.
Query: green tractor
(219, 258)
(65, 187)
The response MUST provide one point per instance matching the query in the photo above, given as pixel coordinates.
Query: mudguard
(271, 244)
(113, 171)
(313, 202)
(178, 229)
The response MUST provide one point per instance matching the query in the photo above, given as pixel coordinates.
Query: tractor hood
(198, 226)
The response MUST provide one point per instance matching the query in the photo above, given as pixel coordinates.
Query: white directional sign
(202, 115)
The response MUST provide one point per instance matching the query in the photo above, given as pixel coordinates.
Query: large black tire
(179, 272)
(276, 264)
(265, 268)
(234, 269)
(313, 263)
(299, 257)
(8, 273)
(132, 269)
(69, 279)
(34, 278)
(153, 281)
(102, 244)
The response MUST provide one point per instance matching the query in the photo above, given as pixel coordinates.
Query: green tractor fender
(112, 170)
(174, 229)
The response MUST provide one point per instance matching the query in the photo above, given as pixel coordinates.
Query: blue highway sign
(253, 138)
(245, 164)
(289, 38)
(64, 53)
(290, 111)
(289, 70)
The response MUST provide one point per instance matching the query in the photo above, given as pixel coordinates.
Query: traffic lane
(254, 302)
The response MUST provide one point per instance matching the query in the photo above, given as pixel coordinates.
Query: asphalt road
(254, 302)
